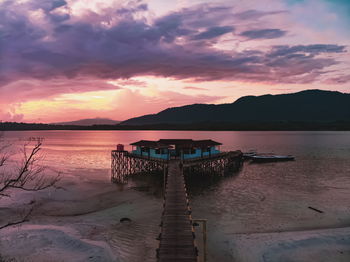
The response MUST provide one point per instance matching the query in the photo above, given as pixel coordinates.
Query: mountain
(90, 122)
(304, 106)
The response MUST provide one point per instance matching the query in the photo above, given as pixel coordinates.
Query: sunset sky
(67, 60)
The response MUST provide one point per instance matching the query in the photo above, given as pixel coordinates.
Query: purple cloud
(263, 33)
(310, 50)
(254, 14)
(213, 32)
(80, 48)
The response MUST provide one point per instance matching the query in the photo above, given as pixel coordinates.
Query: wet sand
(265, 216)
(82, 223)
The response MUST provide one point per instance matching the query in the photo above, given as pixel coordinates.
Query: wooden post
(204, 235)
(165, 172)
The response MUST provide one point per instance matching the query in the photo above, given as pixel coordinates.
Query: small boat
(271, 158)
(249, 154)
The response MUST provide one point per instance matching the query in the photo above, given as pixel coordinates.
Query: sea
(258, 199)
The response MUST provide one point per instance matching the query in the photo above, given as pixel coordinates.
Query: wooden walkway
(177, 235)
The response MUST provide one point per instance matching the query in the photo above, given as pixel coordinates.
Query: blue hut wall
(162, 155)
(151, 153)
(136, 151)
(198, 153)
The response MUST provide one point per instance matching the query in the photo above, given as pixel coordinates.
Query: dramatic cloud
(42, 40)
(263, 33)
(50, 48)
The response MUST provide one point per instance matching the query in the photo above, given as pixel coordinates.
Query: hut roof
(207, 142)
(179, 143)
(148, 143)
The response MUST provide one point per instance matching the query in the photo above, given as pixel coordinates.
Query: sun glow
(67, 106)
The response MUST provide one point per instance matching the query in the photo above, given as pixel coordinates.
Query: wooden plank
(177, 238)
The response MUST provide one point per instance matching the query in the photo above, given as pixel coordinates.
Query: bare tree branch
(29, 176)
(25, 218)
(4, 156)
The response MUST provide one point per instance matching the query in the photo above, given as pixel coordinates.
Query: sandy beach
(82, 223)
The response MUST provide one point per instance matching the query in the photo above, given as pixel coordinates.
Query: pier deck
(177, 235)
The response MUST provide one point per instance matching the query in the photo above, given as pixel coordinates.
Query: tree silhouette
(29, 175)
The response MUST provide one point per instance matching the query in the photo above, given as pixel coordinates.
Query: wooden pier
(125, 164)
(177, 234)
(220, 164)
(177, 239)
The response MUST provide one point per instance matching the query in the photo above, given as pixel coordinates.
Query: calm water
(269, 197)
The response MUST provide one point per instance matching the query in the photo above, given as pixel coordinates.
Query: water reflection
(270, 197)
(151, 183)
(196, 183)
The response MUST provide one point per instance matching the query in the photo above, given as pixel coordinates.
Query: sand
(51, 243)
(81, 223)
(321, 245)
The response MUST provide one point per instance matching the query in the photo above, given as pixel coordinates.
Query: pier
(177, 234)
(175, 159)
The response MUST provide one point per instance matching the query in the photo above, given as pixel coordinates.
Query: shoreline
(201, 126)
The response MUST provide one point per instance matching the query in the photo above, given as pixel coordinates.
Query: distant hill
(89, 122)
(304, 106)
(306, 110)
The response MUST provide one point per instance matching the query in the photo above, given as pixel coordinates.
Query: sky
(63, 60)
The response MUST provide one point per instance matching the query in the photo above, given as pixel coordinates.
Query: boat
(272, 158)
(249, 154)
